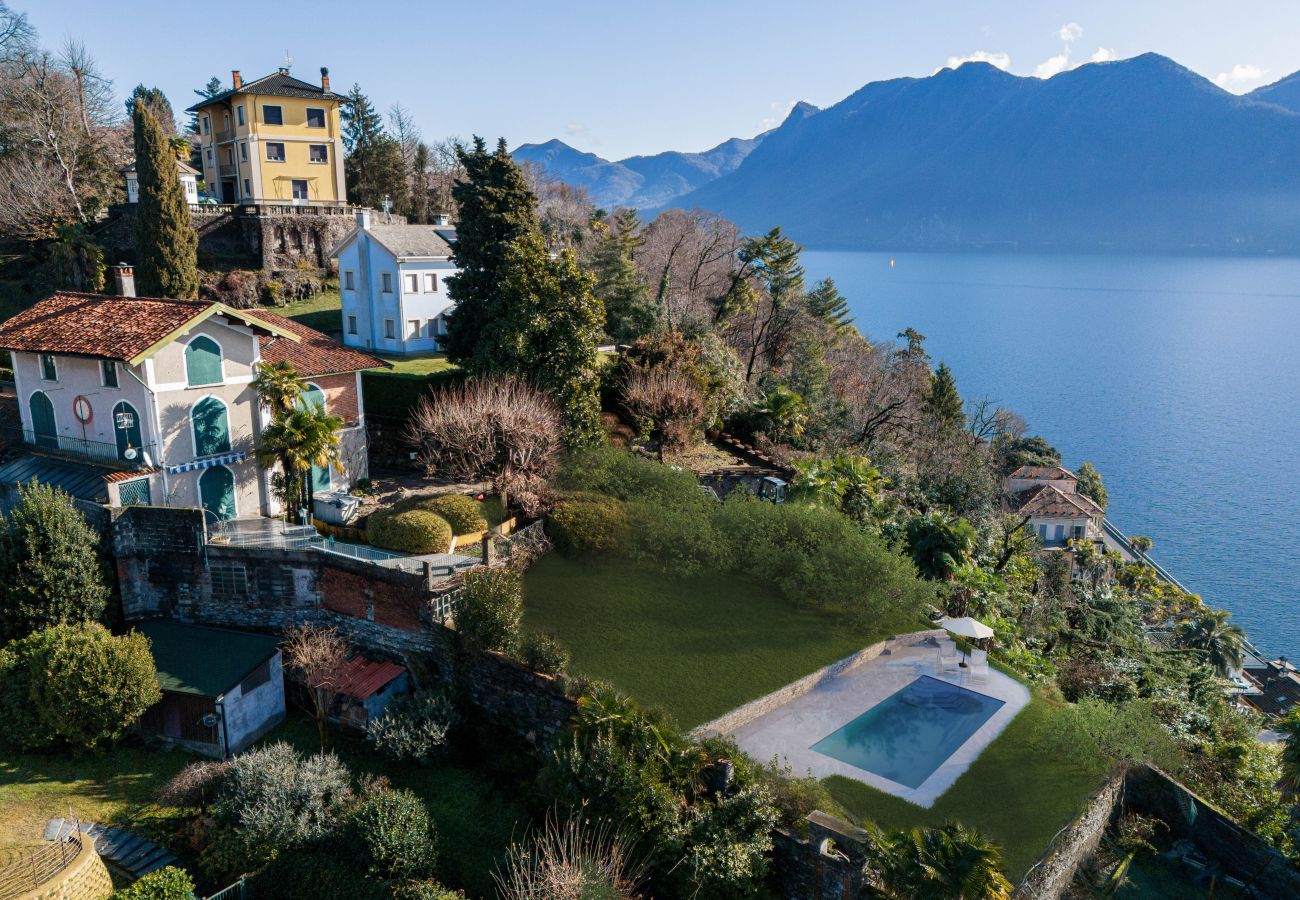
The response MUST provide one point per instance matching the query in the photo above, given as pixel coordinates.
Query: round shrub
(393, 836)
(167, 883)
(409, 531)
(544, 653)
(462, 513)
(413, 727)
(590, 526)
(425, 890)
(77, 685)
(491, 609)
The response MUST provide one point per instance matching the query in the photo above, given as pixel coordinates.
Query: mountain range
(1135, 154)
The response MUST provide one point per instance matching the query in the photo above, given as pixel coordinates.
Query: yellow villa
(273, 140)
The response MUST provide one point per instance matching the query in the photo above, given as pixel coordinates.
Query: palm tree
(1140, 544)
(1212, 634)
(1289, 727)
(278, 386)
(305, 436)
(951, 862)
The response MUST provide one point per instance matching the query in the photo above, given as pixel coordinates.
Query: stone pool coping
(786, 723)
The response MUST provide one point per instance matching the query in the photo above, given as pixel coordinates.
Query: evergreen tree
(1090, 484)
(630, 312)
(207, 92)
(943, 403)
(374, 169)
(165, 239)
(157, 103)
(76, 261)
(548, 331)
(827, 303)
(49, 571)
(496, 208)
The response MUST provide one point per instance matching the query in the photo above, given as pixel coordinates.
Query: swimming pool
(912, 732)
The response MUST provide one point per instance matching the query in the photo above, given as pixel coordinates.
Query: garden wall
(828, 864)
(1052, 874)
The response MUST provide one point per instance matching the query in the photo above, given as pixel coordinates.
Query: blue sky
(621, 78)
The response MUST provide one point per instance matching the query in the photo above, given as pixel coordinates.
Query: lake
(1178, 377)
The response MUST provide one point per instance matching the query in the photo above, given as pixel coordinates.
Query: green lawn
(426, 364)
(115, 788)
(697, 646)
(1015, 793)
(322, 312)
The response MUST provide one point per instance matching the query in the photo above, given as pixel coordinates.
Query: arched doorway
(43, 427)
(126, 428)
(217, 492)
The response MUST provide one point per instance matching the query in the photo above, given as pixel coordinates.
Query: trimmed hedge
(585, 526)
(409, 531)
(394, 394)
(462, 513)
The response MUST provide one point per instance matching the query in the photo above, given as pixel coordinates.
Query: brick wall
(340, 394)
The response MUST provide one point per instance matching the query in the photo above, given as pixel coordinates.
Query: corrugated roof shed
(86, 482)
(361, 678)
(208, 662)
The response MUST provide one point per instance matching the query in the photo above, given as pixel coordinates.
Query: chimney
(363, 219)
(441, 219)
(284, 70)
(236, 80)
(123, 280)
(324, 79)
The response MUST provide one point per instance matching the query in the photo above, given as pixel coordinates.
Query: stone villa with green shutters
(132, 400)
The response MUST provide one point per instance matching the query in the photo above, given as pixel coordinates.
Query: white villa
(1057, 512)
(189, 182)
(149, 401)
(393, 281)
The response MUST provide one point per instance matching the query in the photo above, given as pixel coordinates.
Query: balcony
(83, 450)
(228, 170)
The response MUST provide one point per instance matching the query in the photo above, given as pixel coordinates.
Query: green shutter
(211, 427)
(43, 420)
(202, 362)
(217, 491)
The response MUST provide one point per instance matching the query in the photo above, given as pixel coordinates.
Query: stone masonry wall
(1052, 874)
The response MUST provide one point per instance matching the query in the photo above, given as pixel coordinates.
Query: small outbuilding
(364, 688)
(222, 689)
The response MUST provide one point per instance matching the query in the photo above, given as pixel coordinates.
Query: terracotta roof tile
(316, 354)
(96, 324)
(1049, 502)
(1044, 473)
(277, 84)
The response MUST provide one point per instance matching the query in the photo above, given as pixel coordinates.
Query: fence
(27, 868)
(99, 451)
(240, 890)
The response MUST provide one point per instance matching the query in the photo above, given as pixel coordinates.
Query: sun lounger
(978, 667)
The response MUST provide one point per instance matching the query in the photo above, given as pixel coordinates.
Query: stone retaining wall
(85, 878)
(1052, 874)
(743, 715)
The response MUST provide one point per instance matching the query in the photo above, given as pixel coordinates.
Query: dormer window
(203, 362)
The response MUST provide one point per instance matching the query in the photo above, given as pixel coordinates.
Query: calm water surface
(1178, 377)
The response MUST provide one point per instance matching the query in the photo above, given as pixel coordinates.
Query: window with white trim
(274, 151)
(413, 329)
(413, 284)
(430, 283)
(318, 153)
(49, 370)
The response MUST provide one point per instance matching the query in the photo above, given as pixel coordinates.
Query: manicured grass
(322, 312)
(417, 365)
(696, 646)
(476, 817)
(116, 787)
(1015, 793)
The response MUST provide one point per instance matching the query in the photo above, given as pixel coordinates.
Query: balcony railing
(93, 451)
(227, 170)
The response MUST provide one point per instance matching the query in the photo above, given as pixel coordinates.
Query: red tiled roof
(96, 324)
(316, 354)
(1051, 503)
(1044, 473)
(360, 677)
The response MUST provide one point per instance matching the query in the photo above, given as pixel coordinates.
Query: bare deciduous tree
(316, 656)
(494, 428)
(669, 401)
(687, 258)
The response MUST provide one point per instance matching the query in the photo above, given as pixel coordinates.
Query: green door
(126, 426)
(217, 491)
(43, 421)
(320, 475)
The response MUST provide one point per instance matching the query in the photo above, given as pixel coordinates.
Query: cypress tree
(943, 402)
(166, 243)
(496, 208)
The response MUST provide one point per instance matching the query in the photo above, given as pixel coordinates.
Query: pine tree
(374, 169)
(165, 239)
(496, 207)
(827, 303)
(207, 92)
(943, 403)
(157, 103)
(630, 312)
(549, 326)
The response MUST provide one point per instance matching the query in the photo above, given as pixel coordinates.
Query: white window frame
(284, 155)
(412, 283)
(54, 364)
(279, 111)
(430, 282)
(106, 366)
(325, 148)
(414, 333)
(207, 124)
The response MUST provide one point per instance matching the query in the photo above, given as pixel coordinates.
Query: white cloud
(998, 59)
(1103, 54)
(1053, 65)
(1241, 77)
(579, 132)
(780, 109)
(1070, 32)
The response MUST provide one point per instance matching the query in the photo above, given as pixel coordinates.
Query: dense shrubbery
(462, 513)
(393, 836)
(413, 727)
(544, 653)
(74, 685)
(167, 883)
(659, 516)
(491, 609)
(409, 531)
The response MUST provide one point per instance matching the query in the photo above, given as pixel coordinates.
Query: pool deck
(842, 692)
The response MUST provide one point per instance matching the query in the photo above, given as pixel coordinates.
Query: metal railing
(99, 451)
(237, 891)
(27, 868)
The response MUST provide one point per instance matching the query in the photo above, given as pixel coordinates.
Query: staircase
(124, 849)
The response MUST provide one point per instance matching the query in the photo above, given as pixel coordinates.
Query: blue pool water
(907, 736)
